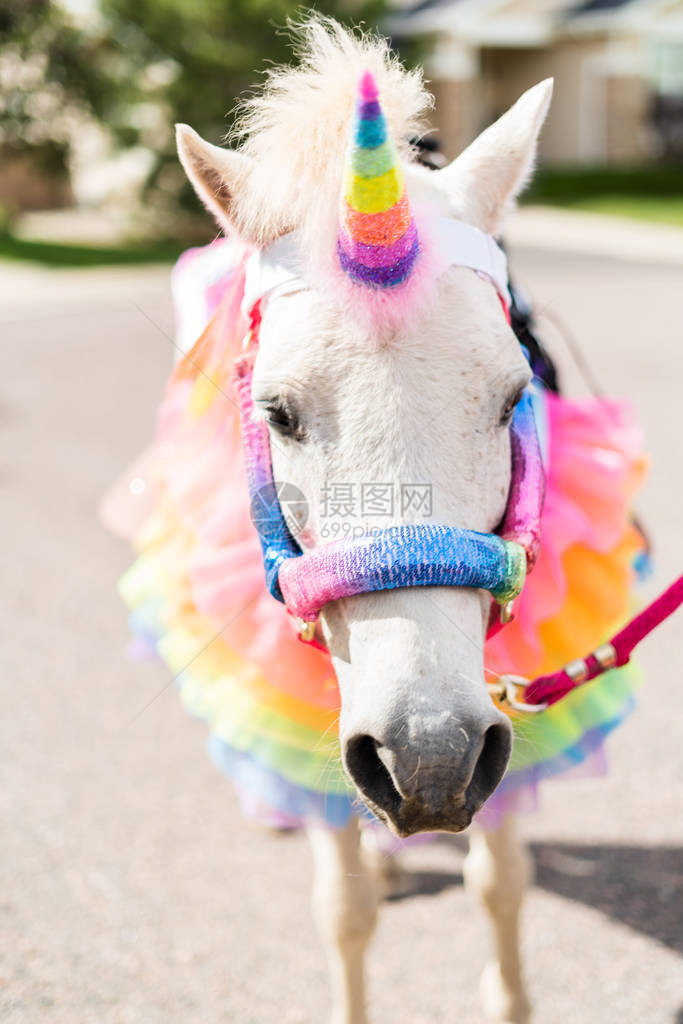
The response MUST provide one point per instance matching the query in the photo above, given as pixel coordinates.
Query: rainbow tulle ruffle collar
(271, 702)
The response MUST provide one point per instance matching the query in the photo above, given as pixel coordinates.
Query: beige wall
(627, 133)
(513, 71)
(455, 116)
(596, 116)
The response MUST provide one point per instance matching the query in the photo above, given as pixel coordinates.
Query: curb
(580, 232)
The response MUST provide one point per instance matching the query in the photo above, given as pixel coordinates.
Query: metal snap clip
(509, 689)
(307, 630)
(507, 612)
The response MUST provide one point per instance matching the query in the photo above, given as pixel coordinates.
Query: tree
(138, 66)
(209, 52)
(54, 73)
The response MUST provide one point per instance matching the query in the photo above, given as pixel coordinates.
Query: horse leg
(498, 870)
(345, 908)
(391, 878)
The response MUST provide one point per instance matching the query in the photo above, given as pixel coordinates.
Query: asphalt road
(132, 891)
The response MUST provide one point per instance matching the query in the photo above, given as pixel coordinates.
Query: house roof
(425, 5)
(589, 6)
(425, 13)
(481, 22)
(533, 23)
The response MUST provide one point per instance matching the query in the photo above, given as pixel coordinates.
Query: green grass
(651, 208)
(652, 193)
(644, 193)
(57, 254)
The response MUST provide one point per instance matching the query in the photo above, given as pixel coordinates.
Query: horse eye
(283, 419)
(510, 406)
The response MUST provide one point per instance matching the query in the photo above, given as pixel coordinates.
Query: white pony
(369, 386)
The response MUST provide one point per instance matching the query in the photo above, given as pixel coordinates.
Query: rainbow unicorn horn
(377, 243)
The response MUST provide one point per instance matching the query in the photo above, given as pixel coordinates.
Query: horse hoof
(501, 1003)
(391, 878)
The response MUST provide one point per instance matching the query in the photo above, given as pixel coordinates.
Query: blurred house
(26, 183)
(618, 68)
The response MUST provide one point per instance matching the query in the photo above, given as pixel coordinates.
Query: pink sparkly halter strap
(540, 693)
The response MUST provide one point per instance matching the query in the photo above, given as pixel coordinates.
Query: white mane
(296, 128)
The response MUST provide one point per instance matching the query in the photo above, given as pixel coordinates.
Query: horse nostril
(491, 764)
(412, 795)
(370, 774)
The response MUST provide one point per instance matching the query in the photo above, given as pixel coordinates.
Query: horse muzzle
(429, 773)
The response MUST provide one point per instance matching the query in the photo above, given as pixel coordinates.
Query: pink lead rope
(546, 690)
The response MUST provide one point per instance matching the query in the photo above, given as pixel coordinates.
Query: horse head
(387, 381)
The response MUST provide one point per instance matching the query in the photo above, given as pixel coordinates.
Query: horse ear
(484, 181)
(217, 175)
